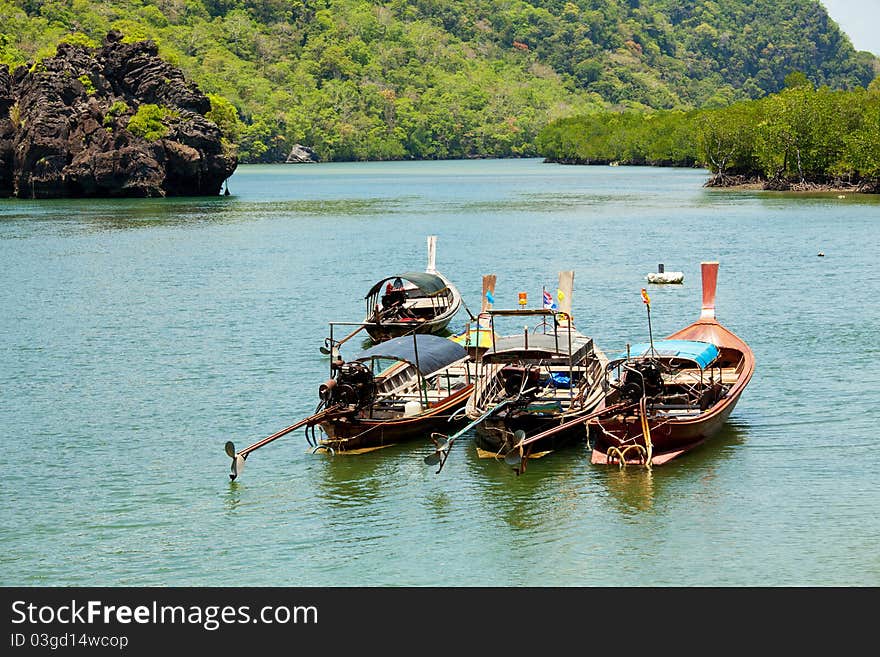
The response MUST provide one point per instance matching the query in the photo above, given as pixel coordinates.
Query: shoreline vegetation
(434, 79)
(746, 183)
(752, 183)
(344, 80)
(800, 139)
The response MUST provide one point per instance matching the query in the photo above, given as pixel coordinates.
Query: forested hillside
(355, 79)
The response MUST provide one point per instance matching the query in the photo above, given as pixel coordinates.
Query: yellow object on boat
(474, 338)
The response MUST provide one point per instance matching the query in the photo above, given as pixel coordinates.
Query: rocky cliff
(109, 121)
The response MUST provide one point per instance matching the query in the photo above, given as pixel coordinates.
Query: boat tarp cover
(434, 352)
(540, 345)
(428, 283)
(702, 353)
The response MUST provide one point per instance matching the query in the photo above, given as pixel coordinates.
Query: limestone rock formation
(64, 127)
(300, 154)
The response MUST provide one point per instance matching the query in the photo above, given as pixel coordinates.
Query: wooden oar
(238, 458)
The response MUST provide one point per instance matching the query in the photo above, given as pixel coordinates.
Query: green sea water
(137, 336)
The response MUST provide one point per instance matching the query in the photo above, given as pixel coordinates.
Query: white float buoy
(662, 276)
(412, 408)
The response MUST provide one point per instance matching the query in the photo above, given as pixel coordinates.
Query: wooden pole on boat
(335, 345)
(432, 255)
(572, 423)
(647, 301)
(646, 431)
(238, 458)
(564, 293)
(488, 299)
(329, 343)
(444, 443)
(488, 292)
(517, 454)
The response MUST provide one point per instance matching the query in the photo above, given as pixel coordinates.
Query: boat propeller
(237, 460)
(441, 443)
(515, 456)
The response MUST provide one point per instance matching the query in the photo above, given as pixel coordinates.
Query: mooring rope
(646, 452)
(646, 431)
(615, 452)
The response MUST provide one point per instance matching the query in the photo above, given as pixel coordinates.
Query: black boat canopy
(434, 352)
(428, 283)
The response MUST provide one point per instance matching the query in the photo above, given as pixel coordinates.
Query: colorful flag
(560, 294)
(645, 297)
(489, 296)
(548, 300)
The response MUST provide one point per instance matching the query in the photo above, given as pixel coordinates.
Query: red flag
(645, 297)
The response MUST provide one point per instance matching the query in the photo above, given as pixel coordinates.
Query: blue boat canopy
(434, 352)
(702, 353)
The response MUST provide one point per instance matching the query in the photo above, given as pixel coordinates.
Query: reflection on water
(125, 214)
(547, 491)
(232, 499)
(637, 488)
(357, 480)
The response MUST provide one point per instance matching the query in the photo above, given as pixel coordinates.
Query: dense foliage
(361, 79)
(800, 135)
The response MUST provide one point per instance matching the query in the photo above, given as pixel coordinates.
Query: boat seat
(680, 412)
(691, 376)
(421, 302)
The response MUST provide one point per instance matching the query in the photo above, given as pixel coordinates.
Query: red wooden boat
(677, 392)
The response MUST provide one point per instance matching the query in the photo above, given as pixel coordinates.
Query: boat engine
(517, 378)
(641, 378)
(353, 386)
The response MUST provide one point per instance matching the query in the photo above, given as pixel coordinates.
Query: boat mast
(432, 255)
(710, 280)
(566, 288)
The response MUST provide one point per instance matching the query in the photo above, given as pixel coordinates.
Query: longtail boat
(671, 395)
(411, 302)
(531, 386)
(399, 390)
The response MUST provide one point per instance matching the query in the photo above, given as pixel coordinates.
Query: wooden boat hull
(522, 371)
(669, 438)
(389, 330)
(350, 433)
